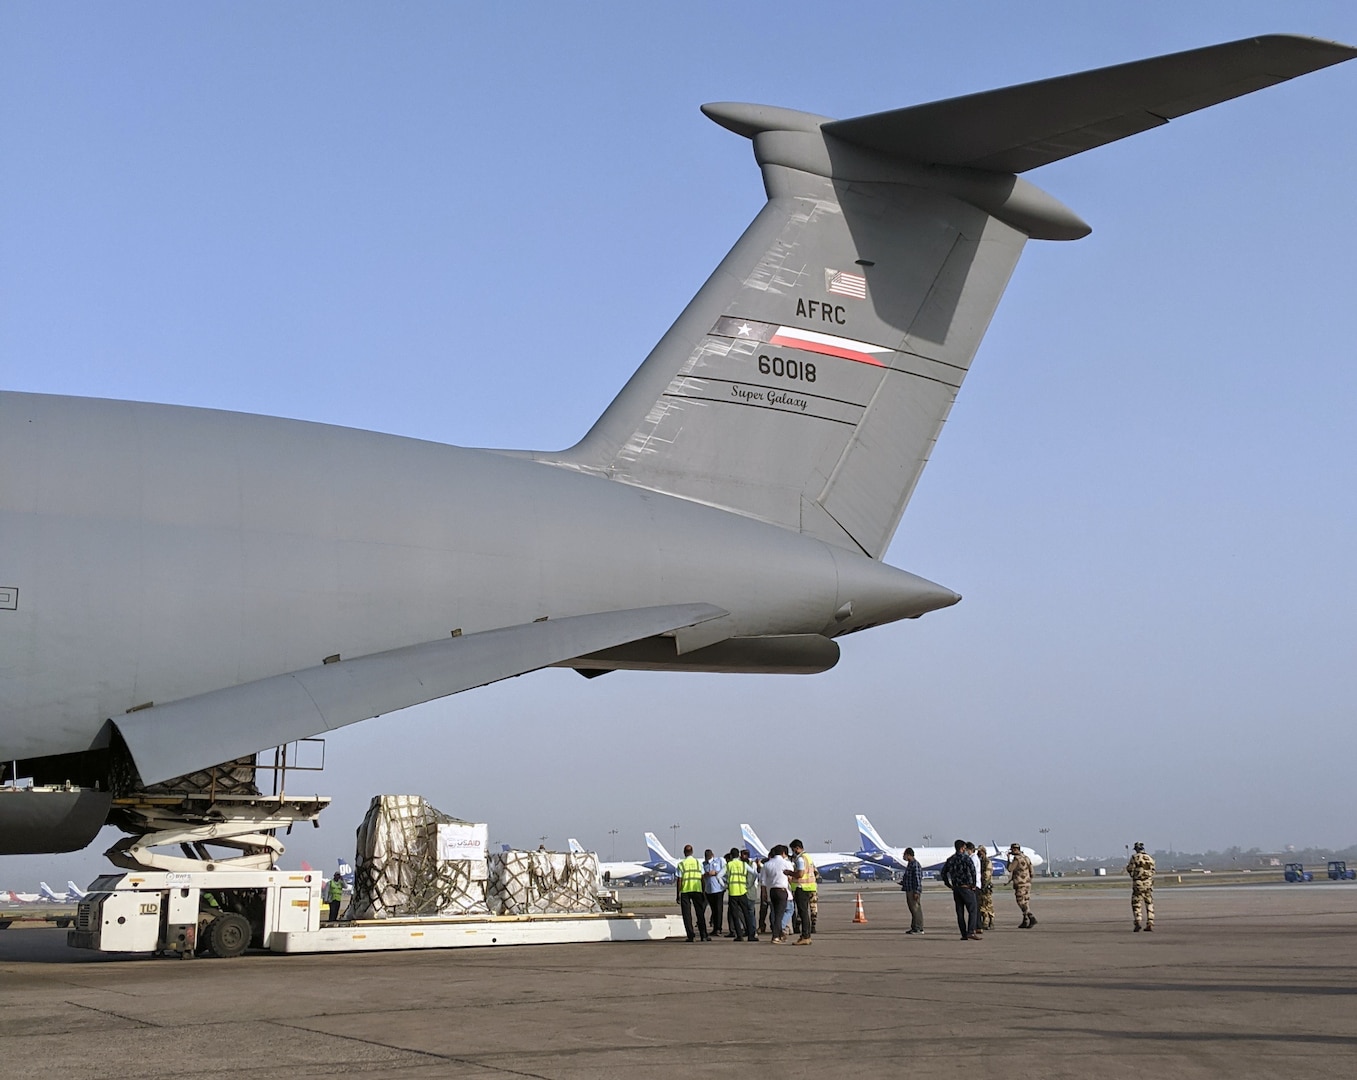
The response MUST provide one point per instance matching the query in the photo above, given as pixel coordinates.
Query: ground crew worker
(334, 894)
(1020, 877)
(740, 905)
(689, 885)
(986, 889)
(1141, 869)
(803, 882)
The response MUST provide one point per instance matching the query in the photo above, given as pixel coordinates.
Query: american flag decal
(842, 283)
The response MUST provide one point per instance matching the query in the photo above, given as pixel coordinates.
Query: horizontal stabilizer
(173, 739)
(1023, 127)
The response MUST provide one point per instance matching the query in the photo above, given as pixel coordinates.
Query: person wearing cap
(1020, 877)
(1141, 869)
(912, 882)
(334, 895)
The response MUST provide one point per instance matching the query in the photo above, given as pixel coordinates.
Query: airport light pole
(674, 829)
(613, 834)
(1047, 834)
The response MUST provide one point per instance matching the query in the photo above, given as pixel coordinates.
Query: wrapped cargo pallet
(413, 860)
(543, 883)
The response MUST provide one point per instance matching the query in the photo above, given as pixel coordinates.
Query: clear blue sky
(415, 217)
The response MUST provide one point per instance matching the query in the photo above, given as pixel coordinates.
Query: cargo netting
(543, 883)
(397, 868)
(236, 777)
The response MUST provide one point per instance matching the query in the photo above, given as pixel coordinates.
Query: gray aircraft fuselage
(160, 552)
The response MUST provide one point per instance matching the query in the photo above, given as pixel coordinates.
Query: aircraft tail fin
(756, 846)
(74, 890)
(575, 846)
(45, 891)
(872, 843)
(659, 857)
(807, 381)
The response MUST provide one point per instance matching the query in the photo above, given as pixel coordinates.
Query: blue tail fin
(751, 839)
(872, 844)
(660, 859)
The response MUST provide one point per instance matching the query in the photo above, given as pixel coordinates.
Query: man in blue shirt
(912, 881)
(958, 874)
(714, 886)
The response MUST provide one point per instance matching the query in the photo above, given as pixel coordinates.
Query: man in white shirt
(974, 856)
(774, 877)
(714, 886)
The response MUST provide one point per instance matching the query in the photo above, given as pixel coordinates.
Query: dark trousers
(803, 911)
(742, 916)
(764, 905)
(778, 898)
(716, 905)
(334, 910)
(967, 909)
(916, 910)
(694, 908)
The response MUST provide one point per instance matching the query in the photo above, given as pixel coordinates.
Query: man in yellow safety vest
(803, 882)
(334, 894)
(741, 904)
(691, 902)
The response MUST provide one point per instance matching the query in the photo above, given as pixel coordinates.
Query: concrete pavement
(1248, 981)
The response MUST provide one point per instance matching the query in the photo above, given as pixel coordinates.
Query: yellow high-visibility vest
(690, 874)
(806, 878)
(737, 880)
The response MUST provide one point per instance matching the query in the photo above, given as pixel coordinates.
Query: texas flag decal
(791, 337)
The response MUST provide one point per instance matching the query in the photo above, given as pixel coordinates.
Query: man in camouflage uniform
(1141, 869)
(1020, 877)
(986, 889)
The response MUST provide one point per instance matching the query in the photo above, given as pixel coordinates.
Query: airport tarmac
(1238, 981)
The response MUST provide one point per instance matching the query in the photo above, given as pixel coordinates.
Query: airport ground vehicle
(1338, 871)
(203, 913)
(1295, 871)
(224, 912)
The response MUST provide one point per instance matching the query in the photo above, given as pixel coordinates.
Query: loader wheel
(228, 935)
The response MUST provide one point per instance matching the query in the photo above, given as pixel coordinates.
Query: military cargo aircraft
(182, 587)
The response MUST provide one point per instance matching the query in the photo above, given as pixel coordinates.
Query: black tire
(228, 935)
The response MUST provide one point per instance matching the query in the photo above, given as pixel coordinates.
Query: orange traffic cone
(859, 915)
